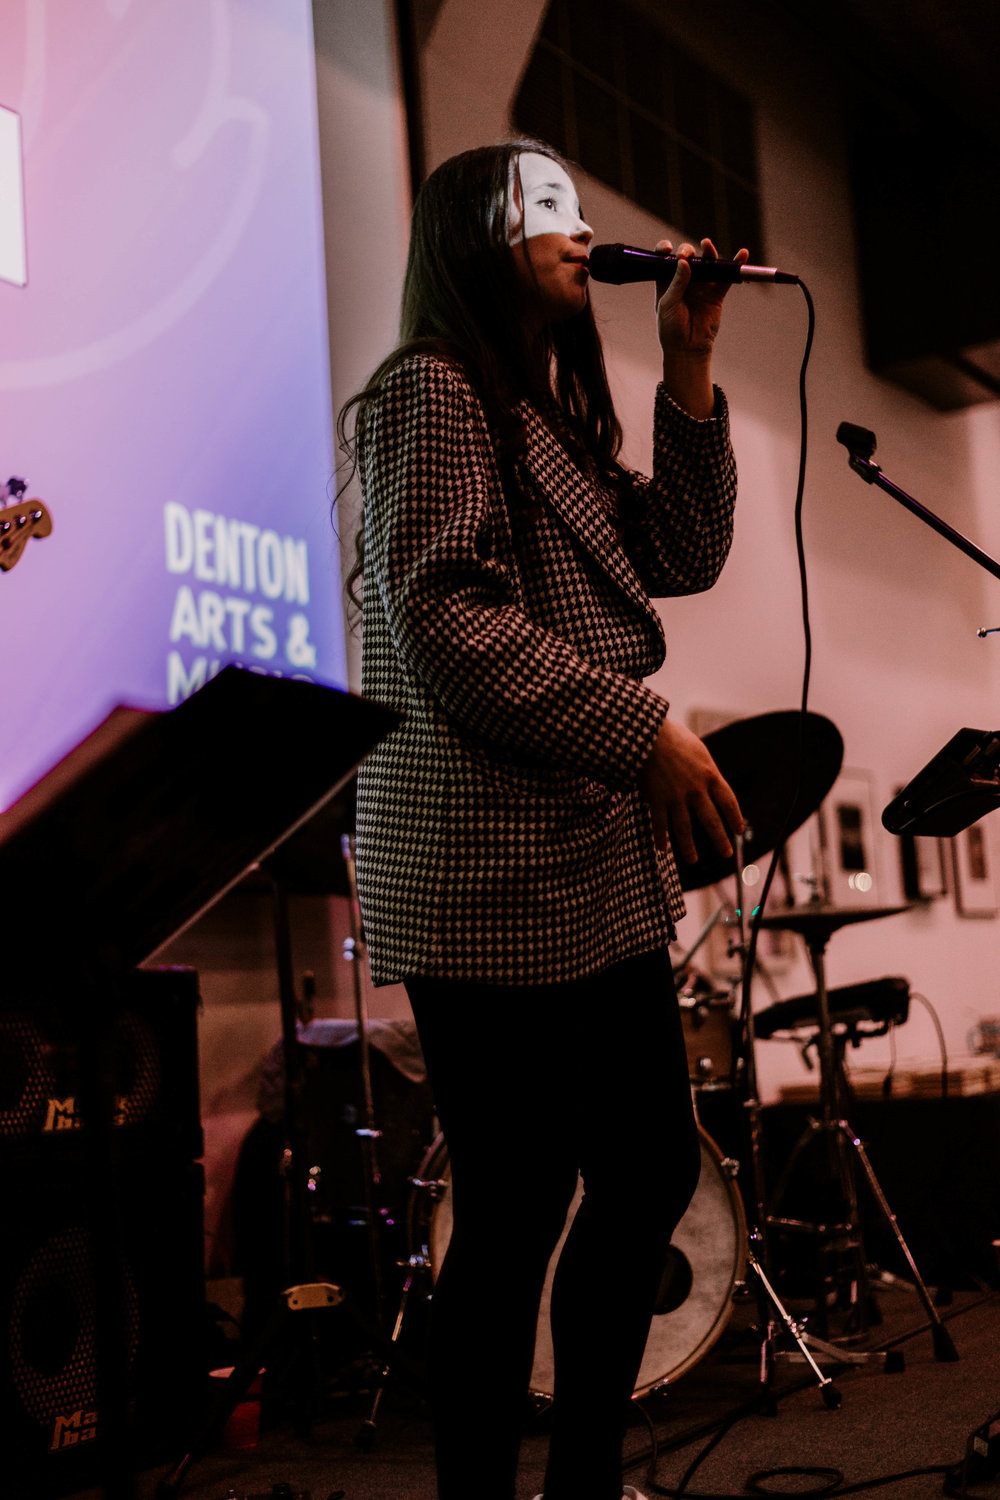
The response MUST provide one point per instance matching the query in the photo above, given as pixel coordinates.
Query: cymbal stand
(418, 1268)
(769, 1303)
(843, 1148)
(751, 1102)
(368, 1134)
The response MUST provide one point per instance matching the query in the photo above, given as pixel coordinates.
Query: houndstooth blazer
(501, 836)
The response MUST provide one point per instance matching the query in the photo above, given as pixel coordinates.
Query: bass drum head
(705, 1261)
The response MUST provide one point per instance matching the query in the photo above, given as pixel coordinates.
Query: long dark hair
(460, 301)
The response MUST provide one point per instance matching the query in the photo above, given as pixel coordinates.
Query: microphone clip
(860, 445)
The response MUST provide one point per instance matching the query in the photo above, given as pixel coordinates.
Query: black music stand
(120, 847)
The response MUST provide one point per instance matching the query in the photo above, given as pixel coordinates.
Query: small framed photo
(848, 824)
(923, 866)
(975, 895)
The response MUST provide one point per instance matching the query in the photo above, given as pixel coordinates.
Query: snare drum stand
(817, 923)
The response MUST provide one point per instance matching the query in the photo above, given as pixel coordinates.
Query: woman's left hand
(688, 312)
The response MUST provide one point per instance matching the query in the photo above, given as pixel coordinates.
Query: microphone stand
(860, 444)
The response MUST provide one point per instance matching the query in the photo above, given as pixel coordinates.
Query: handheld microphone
(620, 264)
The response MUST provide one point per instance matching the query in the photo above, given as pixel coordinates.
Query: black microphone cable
(829, 1480)
(750, 957)
(758, 912)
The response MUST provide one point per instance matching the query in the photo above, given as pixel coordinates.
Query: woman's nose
(583, 232)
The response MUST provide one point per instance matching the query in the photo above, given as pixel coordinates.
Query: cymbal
(760, 758)
(814, 920)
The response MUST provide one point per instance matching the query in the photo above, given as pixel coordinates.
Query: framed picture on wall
(849, 837)
(975, 894)
(923, 866)
(804, 864)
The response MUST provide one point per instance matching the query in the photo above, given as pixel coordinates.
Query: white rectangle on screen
(13, 256)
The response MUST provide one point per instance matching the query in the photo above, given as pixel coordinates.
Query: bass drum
(707, 1257)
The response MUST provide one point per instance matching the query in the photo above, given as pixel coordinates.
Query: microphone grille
(605, 263)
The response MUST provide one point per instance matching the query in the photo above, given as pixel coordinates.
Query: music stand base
(309, 1299)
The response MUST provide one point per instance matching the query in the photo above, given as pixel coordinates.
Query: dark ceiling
(919, 81)
(922, 53)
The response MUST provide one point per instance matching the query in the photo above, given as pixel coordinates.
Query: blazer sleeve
(451, 606)
(679, 524)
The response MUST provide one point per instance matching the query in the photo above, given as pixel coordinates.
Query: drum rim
(737, 1274)
(737, 1271)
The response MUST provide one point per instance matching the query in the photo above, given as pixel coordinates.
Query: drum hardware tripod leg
(844, 1233)
(368, 1134)
(892, 1359)
(769, 1302)
(768, 1299)
(418, 1266)
(840, 1233)
(843, 1146)
(944, 1347)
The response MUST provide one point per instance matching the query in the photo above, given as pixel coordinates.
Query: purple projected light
(164, 377)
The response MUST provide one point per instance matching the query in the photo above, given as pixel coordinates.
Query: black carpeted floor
(887, 1423)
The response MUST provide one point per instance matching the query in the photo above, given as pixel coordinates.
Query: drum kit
(781, 767)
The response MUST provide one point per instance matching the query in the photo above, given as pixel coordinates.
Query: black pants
(533, 1085)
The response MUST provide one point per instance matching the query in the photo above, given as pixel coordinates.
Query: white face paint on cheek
(549, 199)
(515, 220)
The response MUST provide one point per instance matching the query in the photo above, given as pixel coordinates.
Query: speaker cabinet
(48, 1393)
(50, 1406)
(153, 1056)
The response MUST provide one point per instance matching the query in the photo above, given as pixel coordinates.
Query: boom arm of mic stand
(872, 474)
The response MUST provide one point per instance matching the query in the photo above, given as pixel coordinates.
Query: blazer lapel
(560, 482)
